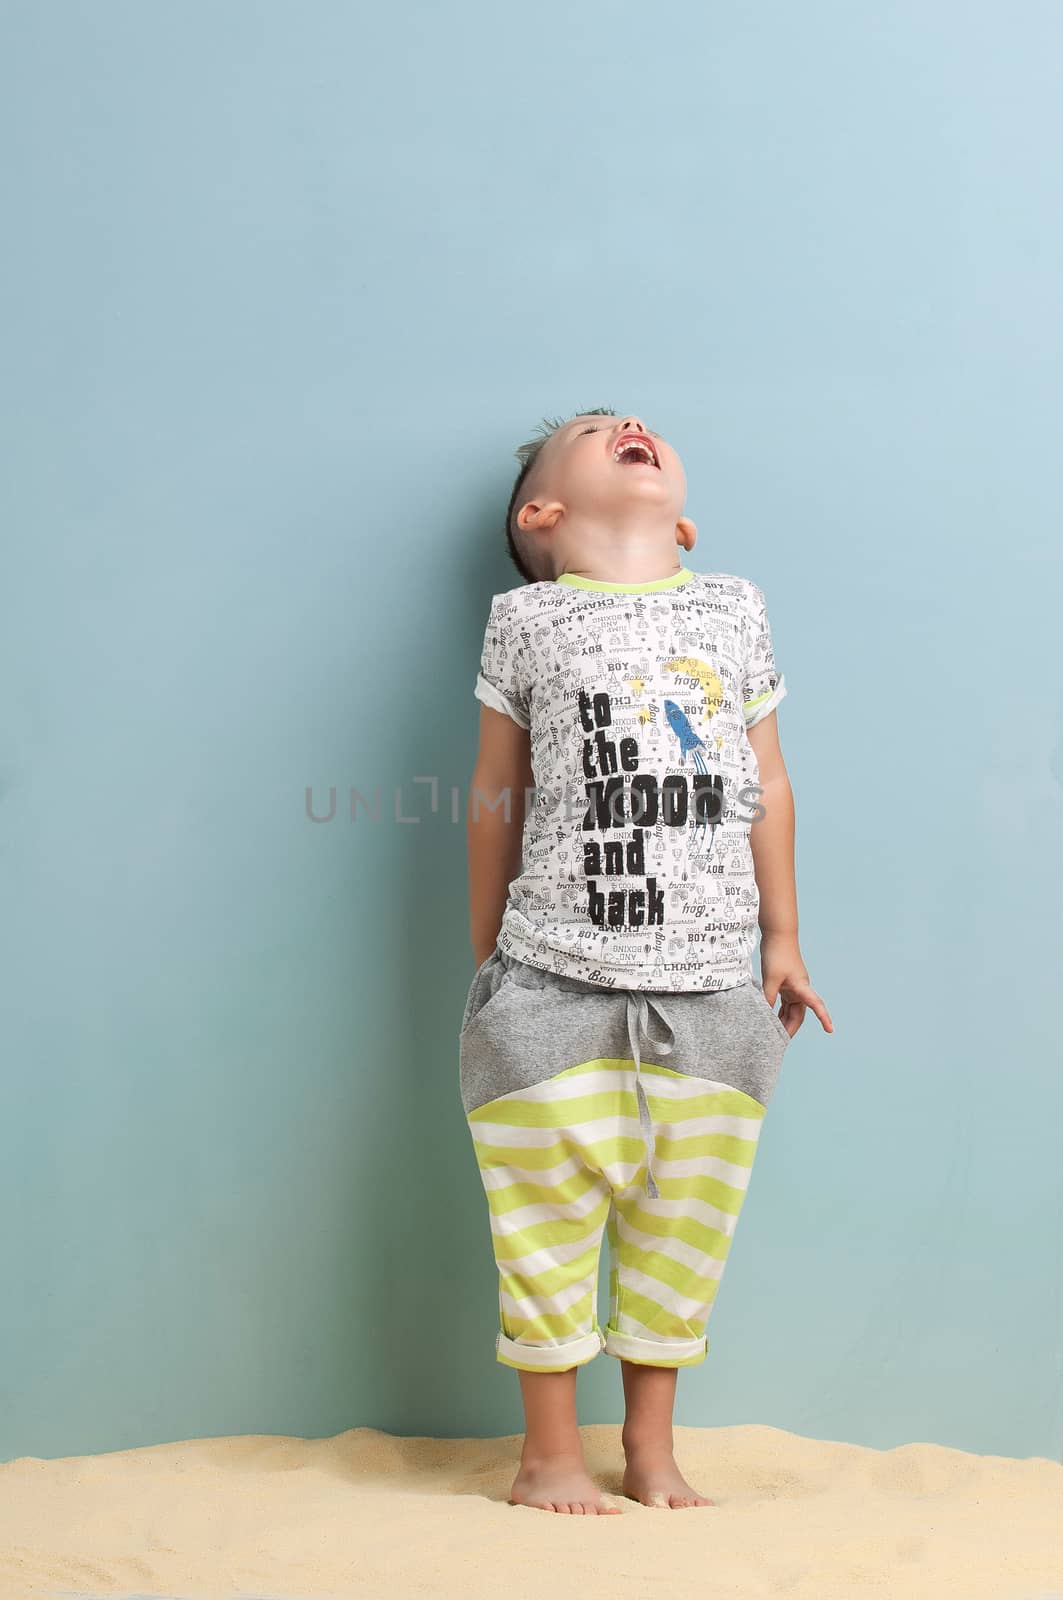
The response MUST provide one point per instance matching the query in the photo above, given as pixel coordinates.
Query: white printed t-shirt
(636, 864)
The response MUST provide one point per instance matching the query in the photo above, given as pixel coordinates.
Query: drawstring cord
(638, 1014)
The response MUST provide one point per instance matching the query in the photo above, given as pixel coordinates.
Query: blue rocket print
(689, 742)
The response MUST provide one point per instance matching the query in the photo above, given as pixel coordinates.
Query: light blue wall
(285, 287)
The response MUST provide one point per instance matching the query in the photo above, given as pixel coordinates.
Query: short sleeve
(763, 686)
(501, 680)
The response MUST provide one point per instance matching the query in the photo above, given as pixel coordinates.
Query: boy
(617, 1055)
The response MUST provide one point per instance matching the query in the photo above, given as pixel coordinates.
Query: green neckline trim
(673, 581)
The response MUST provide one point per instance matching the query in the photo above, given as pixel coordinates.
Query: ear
(537, 516)
(686, 533)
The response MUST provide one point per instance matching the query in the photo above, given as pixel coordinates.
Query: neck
(669, 580)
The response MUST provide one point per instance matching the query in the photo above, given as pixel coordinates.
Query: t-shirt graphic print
(636, 866)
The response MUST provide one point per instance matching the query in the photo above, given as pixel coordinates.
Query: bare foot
(653, 1478)
(559, 1483)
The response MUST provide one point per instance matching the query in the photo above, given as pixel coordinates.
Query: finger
(792, 1015)
(817, 1006)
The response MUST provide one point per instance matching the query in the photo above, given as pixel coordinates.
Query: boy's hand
(784, 973)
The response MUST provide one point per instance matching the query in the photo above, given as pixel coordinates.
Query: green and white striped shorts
(575, 1133)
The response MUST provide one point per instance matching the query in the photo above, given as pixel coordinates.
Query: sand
(367, 1513)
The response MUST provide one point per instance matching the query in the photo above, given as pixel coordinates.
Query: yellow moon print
(706, 676)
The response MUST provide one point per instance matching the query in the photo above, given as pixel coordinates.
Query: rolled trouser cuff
(550, 1357)
(656, 1352)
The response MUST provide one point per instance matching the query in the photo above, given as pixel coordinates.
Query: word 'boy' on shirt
(637, 803)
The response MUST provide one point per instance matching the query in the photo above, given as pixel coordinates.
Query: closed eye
(592, 429)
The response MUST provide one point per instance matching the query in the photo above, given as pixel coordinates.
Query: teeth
(634, 444)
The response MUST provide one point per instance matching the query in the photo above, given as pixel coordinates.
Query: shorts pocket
(773, 1014)
(487, 984)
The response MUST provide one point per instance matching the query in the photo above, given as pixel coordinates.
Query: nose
(632, 423)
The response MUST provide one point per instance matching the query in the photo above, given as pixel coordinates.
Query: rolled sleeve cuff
(756, 710)
(498, 701)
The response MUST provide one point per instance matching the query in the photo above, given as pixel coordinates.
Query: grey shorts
(632, 1111)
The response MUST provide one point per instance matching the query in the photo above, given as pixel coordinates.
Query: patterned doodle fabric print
(637, 869)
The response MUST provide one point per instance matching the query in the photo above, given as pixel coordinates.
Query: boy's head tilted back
(583, 504)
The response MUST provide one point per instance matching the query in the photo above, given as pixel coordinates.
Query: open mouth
(634, 452)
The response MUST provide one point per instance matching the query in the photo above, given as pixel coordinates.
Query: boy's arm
(771, 839)
(495, 823)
